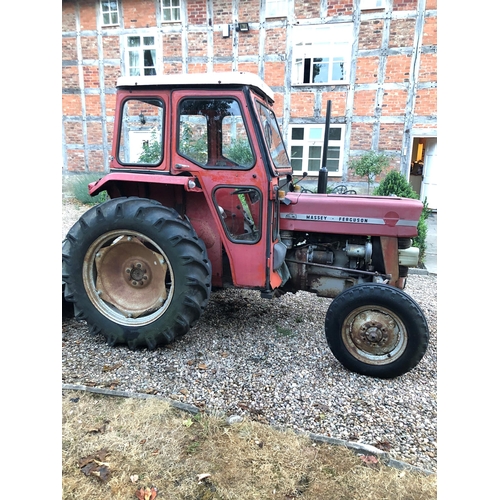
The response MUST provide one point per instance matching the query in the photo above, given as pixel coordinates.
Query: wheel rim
(128, 278)
(374, 335)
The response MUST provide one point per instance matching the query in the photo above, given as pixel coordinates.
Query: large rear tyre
(376, 330)
(136, 272)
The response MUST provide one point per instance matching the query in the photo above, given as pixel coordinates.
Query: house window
(170, 10)
(372, 4)
(109, 12)
(141, 55)
(322, 54)
(276, 8)
(306, 148)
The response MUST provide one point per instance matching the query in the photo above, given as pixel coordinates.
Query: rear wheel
(136, 272)
(376, 330)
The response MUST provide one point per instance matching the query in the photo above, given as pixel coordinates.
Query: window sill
(327, 84)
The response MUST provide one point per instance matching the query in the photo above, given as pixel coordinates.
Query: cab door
(215, 141)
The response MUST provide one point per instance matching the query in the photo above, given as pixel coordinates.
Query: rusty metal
(344, 269)
(374, 335)
(128, 278)
(131, 277)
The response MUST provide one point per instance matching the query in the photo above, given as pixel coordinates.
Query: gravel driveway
(269, 360)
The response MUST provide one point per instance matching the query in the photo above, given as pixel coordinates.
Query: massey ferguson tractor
(201, 197)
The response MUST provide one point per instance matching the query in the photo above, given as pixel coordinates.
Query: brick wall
(392, 90)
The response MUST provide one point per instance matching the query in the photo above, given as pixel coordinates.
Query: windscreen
(272, 136)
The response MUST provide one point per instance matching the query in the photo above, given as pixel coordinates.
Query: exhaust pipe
(323, 171)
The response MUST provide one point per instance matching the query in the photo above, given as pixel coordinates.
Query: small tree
(370, 165)
(396, 185)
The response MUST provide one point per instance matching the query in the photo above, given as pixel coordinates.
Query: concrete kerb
(358, 448)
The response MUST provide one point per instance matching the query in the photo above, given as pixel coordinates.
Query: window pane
(105, 19)
(297, 134)
(193, 139)
(316, 133)
(141, 132)
(133, 59)
(149, 58)
(338, 72)
(134, 41)
(235, 144)
(297, 156)
(240, 212)
(333, 152)
(315, 152)
(149, 40)
(334, 134)
(114, 18)
(320, 70)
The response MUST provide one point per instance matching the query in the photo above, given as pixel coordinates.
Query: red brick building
(375, 60)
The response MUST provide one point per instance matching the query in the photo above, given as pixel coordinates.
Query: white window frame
(144, 45)
(172, 10)
(107, 10)
(372, 4)
(276, 8)
(314, 137)
(327, 47)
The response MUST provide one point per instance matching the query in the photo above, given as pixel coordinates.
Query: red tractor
(202, 198)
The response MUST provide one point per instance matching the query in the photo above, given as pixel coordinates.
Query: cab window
(141, 132)
(213, 134)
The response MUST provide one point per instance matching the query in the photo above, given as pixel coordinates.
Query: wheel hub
(374, 332)
(137, 274)
(131, 277)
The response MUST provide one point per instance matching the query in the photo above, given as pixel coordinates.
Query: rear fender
(125, 183)
(182, 193)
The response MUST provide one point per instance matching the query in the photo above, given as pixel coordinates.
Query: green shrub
(239, 151)
(394, 183)
(369, 165)
(151, 151)
(80, 189)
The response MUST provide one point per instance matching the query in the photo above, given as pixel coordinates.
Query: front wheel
(136, 272)
(376, 330)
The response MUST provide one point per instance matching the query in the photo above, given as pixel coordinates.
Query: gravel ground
(269, 360)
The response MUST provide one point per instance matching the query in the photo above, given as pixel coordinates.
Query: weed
(283, 332)
(80, 190)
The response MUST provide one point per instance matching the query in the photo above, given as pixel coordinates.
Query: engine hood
(346, 214)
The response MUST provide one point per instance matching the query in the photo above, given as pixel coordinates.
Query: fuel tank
(346, 214)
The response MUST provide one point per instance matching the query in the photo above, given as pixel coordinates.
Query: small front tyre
(376, 330)
(136, 272)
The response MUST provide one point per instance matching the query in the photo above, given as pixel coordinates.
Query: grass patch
(138, 444)
(80, 190)
(284, 332)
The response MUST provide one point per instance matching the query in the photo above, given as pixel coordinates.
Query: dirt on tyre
(136, 272)
(376, 330)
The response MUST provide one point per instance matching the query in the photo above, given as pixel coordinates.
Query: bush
(80, 189)
(395, 184)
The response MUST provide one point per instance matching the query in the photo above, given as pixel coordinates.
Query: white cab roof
(226, 78)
